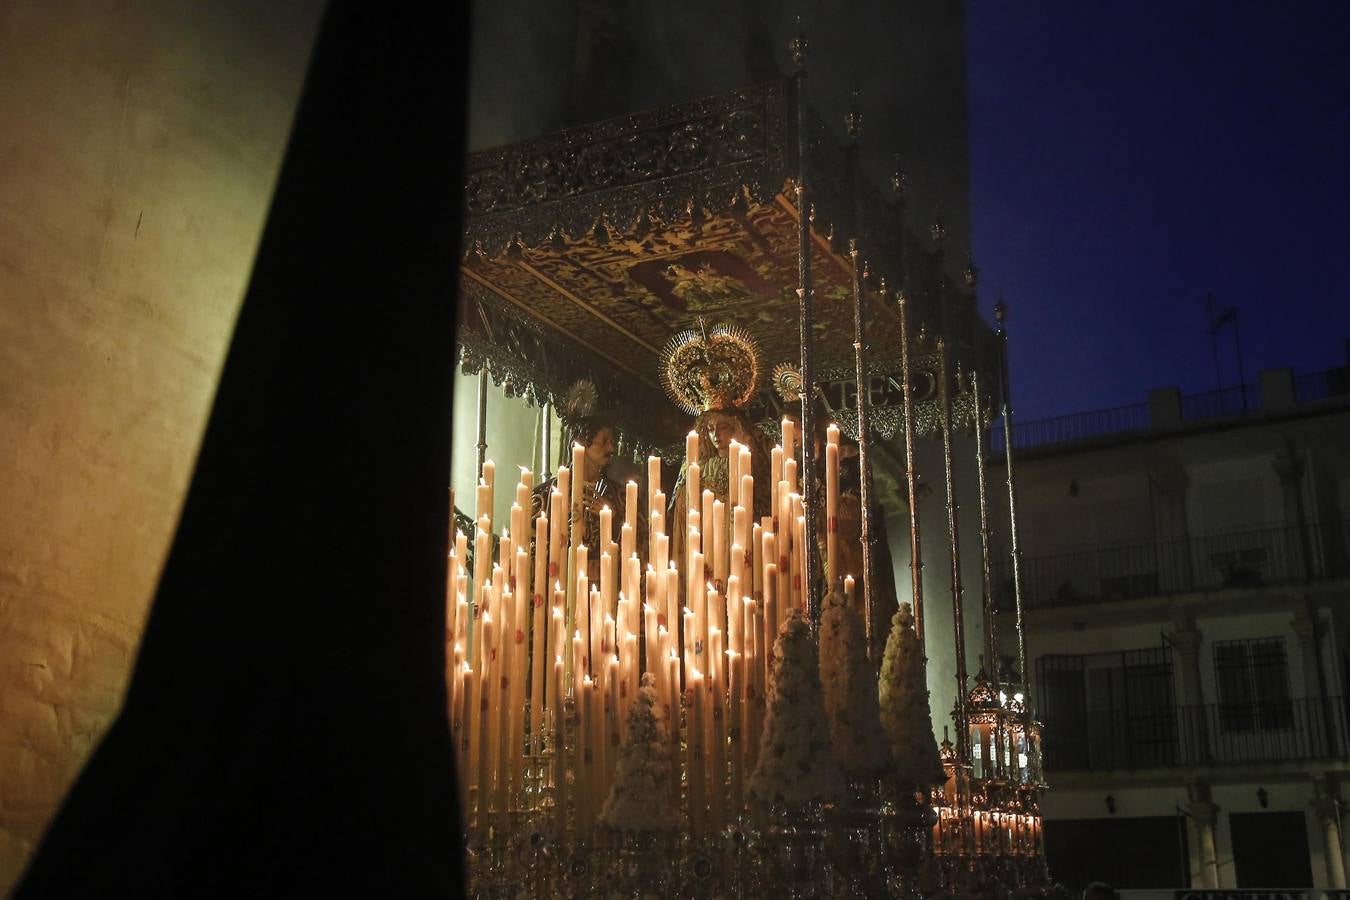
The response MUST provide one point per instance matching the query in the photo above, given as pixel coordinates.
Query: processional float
(693, 708)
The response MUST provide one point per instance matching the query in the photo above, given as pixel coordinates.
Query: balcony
(1211, 735)
(1139, 418)
(1245, 559)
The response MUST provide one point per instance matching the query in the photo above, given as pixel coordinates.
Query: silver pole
(864, 469)
(545, 438)
(482, 418)
(954, 532)
(807, 338)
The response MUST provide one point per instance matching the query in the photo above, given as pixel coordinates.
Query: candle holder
(792, 844)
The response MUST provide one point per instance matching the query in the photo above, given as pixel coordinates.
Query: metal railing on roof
(1214, 734)
(1241, 559)
(1217, 404)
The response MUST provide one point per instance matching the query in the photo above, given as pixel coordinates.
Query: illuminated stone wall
(139, 144)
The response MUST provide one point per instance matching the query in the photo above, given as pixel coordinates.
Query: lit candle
(522, 499)
(464, 745)
(557, 630)
(606, 528)
(670, 593)
(691, 448)
(589, 726)
(736, 686)
(627, 542)
(578, 663)
(693, 484)
(719, 539)
(613, 718)
(607, 587)
(789, 441)
(578, 481)
(690, 640)
(716, 734)
(706, 522)
(483, 501)
(653, 483)
(673, 721)
(747, 482)
(740, 535)
(557, 728)
(734, 610)
(538, 634)
(564, 487)
(519, 638)
(694, 769)
(775, 476)
(488, 725)
(630, 509)
(649, 626)
(832, 505)
(772, 615)
(489, 478)
(733, 472)
(757, 560)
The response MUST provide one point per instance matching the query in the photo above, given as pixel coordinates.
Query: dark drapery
(285, 733)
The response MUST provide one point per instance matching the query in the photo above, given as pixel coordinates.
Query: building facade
(1186, 576)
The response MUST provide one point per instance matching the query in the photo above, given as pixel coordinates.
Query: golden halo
(716, 369)
(787, 381)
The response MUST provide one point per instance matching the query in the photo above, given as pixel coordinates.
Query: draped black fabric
(285, 730)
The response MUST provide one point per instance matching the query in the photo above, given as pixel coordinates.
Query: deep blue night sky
(1129, 157)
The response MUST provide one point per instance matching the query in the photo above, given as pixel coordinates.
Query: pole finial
(899, 181)
(853, 119)
(798, 46)
(970, 273)
(937, 231)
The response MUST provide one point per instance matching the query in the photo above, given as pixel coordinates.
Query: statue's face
(723, 429)
(601, 449)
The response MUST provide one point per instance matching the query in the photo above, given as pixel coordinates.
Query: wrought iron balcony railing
(1211, 735)
(1217, 404)
(1278, 555)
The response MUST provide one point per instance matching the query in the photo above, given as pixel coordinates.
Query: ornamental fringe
(850, 685)
(905, 712)
(796, 763)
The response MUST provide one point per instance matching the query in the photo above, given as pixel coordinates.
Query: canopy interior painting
(590, 248)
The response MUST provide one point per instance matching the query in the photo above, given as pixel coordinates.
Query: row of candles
(988, 833)
(544, 664)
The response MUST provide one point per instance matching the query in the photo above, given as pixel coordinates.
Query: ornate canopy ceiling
(590, 247)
